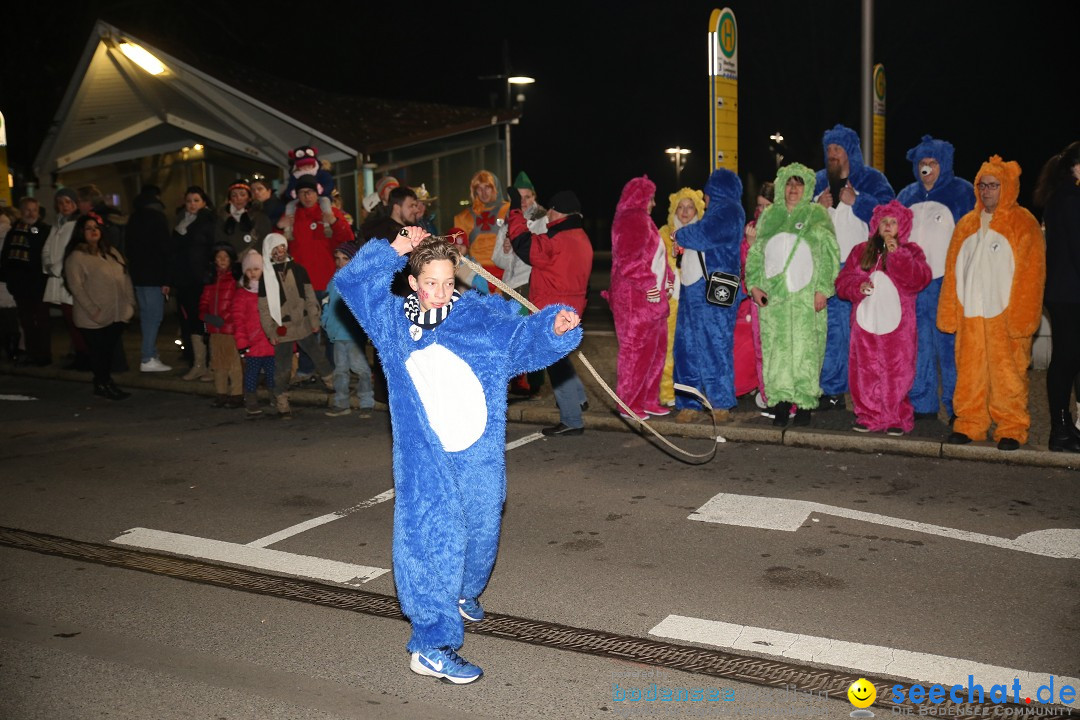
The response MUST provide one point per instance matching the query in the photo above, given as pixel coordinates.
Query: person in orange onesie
(991, 297)
(481, 220)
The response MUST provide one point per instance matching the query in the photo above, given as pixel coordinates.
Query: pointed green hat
(522, 182)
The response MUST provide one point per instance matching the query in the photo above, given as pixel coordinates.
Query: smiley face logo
(862, 693)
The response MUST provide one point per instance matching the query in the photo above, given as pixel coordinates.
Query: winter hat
(252, 259)
(896, 210)
(348, 249)
(273, 289)
(385, 185)
(68, 193)
(241, 184)
(371, 201)
(565, 202)
(522, 182)
(307, 182)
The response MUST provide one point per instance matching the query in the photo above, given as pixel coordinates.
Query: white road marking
(255, 553)
(17, 398)
(322, 520)
(769, 513)
(253, 557)
(857, 657)
(524, 441)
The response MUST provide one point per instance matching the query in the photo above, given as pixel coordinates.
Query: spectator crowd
(917, 303)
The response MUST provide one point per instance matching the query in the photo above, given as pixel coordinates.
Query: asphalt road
(596, 535)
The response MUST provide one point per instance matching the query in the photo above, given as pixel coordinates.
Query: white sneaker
(154, 365)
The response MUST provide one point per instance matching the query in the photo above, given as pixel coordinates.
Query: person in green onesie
(791, 271)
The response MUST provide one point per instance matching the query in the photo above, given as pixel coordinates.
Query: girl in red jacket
(215, 309)
(251, 341)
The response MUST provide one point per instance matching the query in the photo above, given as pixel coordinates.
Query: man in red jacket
(309, 246)
(561, 262)
(314, 251)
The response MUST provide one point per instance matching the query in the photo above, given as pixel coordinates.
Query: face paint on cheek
(424, 294)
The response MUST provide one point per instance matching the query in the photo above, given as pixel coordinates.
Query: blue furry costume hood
(871, 185)
(954, 193)
(719, 232)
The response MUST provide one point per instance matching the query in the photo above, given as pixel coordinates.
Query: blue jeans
(349, 356)
(569, 392)
(151, 311)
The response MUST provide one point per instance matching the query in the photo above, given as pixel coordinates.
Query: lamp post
(678, 156)
(519, 98)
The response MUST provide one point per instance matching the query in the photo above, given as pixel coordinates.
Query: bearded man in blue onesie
(447, 359)
(938, 199)
(704, 350)
(850, 191)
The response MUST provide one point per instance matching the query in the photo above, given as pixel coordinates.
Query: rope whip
(703, 457)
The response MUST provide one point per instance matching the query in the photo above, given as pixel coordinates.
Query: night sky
(618, 83)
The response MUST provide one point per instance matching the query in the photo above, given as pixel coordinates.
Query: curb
(733, 432)
(817, 440)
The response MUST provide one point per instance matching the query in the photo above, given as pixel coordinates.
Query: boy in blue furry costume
(849, 191)
(938, 200)
(704, 349)
(447, 359)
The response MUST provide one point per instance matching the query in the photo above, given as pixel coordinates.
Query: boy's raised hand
(408, 238)
(565, 321)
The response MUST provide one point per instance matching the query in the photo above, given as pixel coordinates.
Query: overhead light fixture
(198, 146)
(677, 151)
(520, 80)
(141, 57)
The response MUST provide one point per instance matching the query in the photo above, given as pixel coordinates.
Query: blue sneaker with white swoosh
(470, 609)
(446, 665)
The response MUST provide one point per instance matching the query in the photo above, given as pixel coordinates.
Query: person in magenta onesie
(882, 278)
(641, 283)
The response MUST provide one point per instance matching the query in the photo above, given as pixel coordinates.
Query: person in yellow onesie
(991, 297)
(685, 207)
(481, 219)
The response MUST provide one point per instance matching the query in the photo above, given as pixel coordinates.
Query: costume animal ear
(292, 154)
(313, 151)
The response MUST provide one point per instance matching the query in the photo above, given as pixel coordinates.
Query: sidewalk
(828, 431)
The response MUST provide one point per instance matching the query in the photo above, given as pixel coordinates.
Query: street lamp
(511, 99)
(678, 156)
(777, 145)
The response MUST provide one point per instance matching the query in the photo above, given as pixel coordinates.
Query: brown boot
(686, 416)
(282, 405)
(220, 401)
(198, 368)
(722, 416)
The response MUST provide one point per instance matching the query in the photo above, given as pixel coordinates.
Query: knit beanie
(348, 249)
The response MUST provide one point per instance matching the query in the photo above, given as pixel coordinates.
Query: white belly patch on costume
(984, 274)
(850, 230)
(931, 229)
(690, 268)
(879, 312)
(801, 270)
(451, 394)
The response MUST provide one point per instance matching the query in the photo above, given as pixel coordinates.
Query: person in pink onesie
(881, 278)
(641, 283)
